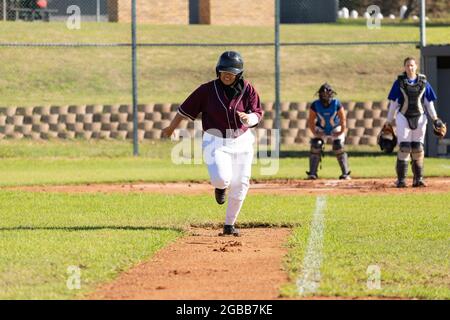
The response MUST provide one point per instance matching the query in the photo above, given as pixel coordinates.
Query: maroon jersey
(219, 112)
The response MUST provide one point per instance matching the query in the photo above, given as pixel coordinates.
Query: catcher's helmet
(230, 61)
(387, 141)
(326, 93)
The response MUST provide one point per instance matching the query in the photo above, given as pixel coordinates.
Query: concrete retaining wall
(115, 121)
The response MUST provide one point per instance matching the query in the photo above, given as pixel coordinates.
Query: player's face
(411, 67)
(227, 78)
(326, 95)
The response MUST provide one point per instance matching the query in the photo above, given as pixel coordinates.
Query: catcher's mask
(230, 61)
(387, 140)
(326, 93)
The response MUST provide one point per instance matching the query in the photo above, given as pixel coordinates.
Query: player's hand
(338, 133)
(318, 132)
(387, 128)
(167, 132)
(438, 123)
(244, 117)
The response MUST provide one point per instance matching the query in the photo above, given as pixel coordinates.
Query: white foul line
(309, 281)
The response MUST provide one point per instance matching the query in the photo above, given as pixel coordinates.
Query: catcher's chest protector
(327, 117)
(412, 93)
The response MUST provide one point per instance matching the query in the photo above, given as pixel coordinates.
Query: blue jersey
(396, 94)
(327, 116)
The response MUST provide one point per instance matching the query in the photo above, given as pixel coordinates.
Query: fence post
(423, 36)
(98, 10)
(134, 78)
(277, 72)
(423, 43)
(4, 10)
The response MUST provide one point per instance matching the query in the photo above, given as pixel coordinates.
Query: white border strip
(309, 281)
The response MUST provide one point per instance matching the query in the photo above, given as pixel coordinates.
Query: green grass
(35, 262)
(406, 236)
(102, 75)
(105, 234)
(76, 162)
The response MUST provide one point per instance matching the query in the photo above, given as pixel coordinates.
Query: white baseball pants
(405, 134)
(229, 164)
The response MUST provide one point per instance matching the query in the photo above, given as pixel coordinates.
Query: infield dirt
(282, 187)
(203, 266)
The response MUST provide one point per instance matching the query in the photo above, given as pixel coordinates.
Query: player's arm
(393, 97)
(168, 131)
(430, 97)
(343, 121)
(440, 129)
(431, 110)
(255, 114)
(312, 121)
(393, 108)
(189, 109)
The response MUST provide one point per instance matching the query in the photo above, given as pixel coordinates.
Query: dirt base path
(286, 187)
(203, 266)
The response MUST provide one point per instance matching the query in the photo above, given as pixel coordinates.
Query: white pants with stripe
(229, 164)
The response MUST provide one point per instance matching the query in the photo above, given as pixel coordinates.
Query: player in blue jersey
(411, 98)
(327, 119)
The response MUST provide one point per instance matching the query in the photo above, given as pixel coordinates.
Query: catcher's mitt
(439, 128)
(387, 140)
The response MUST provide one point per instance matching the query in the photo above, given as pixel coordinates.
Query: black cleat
(220, 195)
(311, 176)
(345, 176)
(400, 184)
(230, 230)
(419, 183)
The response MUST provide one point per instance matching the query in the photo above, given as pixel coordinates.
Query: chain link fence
(78, 53)
(52, 10)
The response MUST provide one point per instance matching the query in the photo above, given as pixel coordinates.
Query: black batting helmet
(230, 61)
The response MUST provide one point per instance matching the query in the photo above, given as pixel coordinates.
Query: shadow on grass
(88, 228)
(209, 225)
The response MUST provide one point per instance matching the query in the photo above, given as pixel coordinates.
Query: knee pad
(416, 146)
(404, 151)
(338, 147)
(417, 151)
(316, 145)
